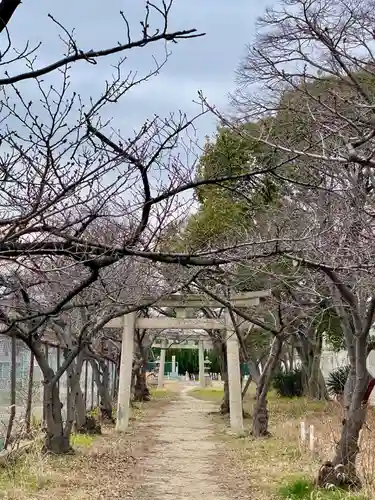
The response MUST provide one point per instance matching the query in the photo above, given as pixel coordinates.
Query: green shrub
(288, 384)
(336, 380)
(303, 489)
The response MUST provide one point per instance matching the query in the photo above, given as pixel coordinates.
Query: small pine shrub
(337, 379)
(288, 384)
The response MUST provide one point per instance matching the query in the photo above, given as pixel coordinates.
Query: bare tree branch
(7, 9)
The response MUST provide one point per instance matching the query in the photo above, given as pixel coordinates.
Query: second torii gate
(182, 303)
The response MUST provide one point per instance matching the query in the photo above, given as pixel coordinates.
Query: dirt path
(182, 462)
(171, 451)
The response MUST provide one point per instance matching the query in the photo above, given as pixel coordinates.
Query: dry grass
(102, 467)
(271, 462)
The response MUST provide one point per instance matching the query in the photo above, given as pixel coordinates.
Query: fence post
(44, 411)
(92, 389)
(311, 438)
(13, 380)
(30, 387)
(303, 432)
(58, 363)
(86, 381)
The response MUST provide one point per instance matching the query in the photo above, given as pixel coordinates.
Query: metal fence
(27, 390)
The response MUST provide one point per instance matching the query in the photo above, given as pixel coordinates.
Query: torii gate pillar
(234, 377)
(202, 380)
(162, 364)
(126, 365)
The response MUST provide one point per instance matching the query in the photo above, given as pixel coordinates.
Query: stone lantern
(157, 365)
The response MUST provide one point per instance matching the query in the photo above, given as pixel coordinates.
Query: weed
(83, 440)
(303, 489)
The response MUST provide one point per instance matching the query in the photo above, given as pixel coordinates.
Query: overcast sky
(207, 63)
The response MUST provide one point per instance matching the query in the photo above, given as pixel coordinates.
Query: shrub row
(290, 384)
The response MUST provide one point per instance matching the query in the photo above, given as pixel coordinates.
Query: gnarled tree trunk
(80, 409)
(342, 470)
(101, 377)
(224, 406)
(56, 440)
(310, 353)
(77, 413)
(141, 391)
(260, 410)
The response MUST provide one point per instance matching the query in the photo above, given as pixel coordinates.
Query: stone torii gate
(165, 344)
(182, 304)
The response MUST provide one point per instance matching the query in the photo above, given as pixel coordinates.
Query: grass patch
(157, 393)
(303, 489)
(26, 475)
(208, 394)
(82, 440)
(296, 407)
(269, 462)
(101, 467)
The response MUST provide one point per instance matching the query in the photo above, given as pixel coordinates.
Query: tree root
(91, 426)
(337, 476)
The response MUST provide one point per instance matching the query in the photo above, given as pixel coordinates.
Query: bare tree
(78, 201)
(84, 210)
(315, 64)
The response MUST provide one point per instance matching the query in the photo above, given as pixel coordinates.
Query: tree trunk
(76, 400)
(101, 377)
(80, 409)
(57, 437)
(314, 385)
(260, 411)
(29, 402)
(347, 447)
(75, 396)
(224, 406)
(141, 391)
(247, 385)
(56, 441)
(342, 470)
(291, 355)
(349, 389)
(254, 371)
